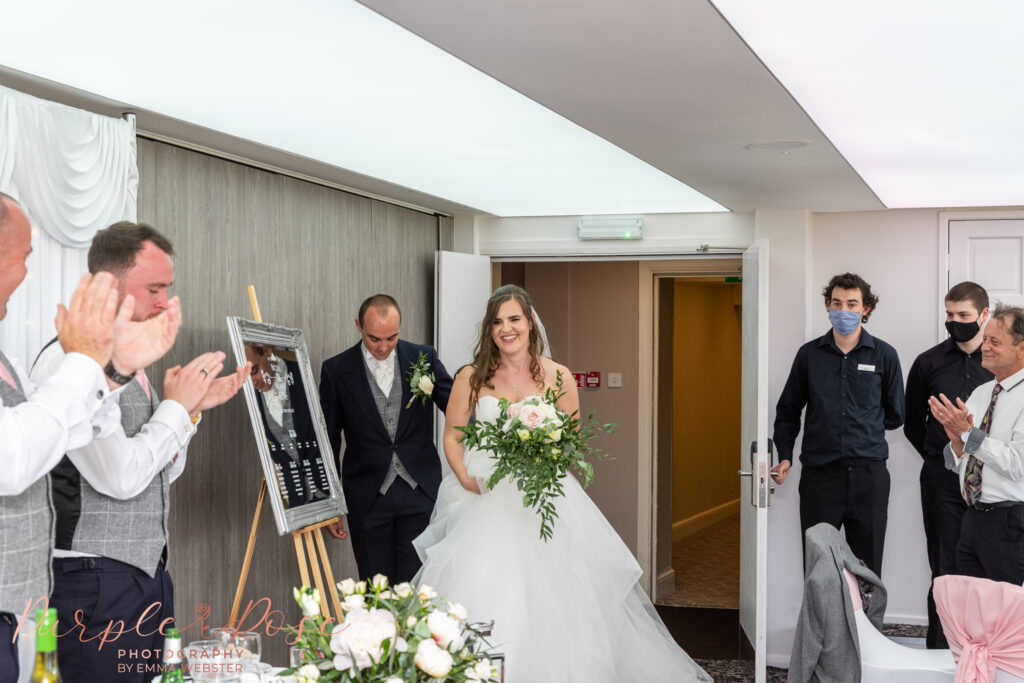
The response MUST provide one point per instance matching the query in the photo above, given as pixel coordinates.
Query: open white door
(755, 457)
(462, 285)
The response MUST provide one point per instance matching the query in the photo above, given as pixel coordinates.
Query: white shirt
(1002, 450)
(390, 368)
(66, 411)
(120, 466)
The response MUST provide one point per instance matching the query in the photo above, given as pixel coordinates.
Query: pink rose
(532, 416)
(514, 410)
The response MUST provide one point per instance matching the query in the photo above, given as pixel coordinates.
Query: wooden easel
(309, 544)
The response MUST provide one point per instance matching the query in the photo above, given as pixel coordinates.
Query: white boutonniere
(421, 380)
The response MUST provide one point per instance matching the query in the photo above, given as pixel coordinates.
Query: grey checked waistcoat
(26, 529)
(132, 531)
(390, 407)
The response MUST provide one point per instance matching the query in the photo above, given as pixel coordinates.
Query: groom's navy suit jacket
(349, 406)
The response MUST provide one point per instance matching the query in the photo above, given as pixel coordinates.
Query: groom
(390, 471)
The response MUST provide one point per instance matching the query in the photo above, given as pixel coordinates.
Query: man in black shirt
(852, 386)
(953, 368)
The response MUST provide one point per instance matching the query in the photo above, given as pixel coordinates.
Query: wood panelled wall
(313, 254)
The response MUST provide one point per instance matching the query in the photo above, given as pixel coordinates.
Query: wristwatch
(116, 376)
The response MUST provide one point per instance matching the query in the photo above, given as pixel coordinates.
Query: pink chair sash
(984, 623)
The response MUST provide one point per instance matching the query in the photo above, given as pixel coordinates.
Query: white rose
(481, 671)
(386, 595)
(427, 593)
(309, 601)
(379, 582)
(354, 601)
(550, 411)
(401, 645)
(359, 639)
(347, 587)
(411, 621)
(457, 611)
(425, 385)
(404, 589)
(361, 587)
(432, 660)
(444, 629)
(555, 435)
(307, 674)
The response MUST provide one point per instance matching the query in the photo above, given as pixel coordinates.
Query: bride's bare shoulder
(465, 373)
(551, 370)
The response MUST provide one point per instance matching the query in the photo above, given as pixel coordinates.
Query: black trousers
(850, 494)
(942, 507)
(8, 648)
(382, 541)
(991, 543)
(107, 642)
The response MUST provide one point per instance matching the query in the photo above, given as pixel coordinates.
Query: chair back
(984, 623)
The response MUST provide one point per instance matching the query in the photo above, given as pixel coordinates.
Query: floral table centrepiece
(390, 634)
(536, 445)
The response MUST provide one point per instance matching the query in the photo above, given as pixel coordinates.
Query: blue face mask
(844, 322)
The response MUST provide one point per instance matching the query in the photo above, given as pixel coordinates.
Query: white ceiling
(667, 80)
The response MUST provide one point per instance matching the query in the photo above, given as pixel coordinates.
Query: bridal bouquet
(536, 444)
(399, 634)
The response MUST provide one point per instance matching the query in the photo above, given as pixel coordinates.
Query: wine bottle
(45, 669)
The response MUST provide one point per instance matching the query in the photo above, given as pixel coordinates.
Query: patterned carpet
(707, 566)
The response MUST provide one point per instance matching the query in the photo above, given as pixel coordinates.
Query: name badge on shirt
(864, 367)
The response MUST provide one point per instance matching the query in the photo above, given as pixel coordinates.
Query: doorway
(697, 382)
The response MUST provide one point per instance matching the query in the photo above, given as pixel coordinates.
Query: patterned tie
(385, 375)
(972, 475)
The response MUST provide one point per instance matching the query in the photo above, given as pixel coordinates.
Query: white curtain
(74, 173)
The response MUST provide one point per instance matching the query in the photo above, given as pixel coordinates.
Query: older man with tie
(987, 449)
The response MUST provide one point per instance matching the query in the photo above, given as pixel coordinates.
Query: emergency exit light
(610, 228)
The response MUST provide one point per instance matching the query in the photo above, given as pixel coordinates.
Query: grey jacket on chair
(825, 645)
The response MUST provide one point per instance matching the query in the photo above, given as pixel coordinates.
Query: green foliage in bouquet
(536, 444)
(399, 634)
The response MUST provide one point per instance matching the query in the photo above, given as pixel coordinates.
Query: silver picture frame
(288, 424)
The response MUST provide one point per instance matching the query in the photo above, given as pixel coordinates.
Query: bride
(569, 609)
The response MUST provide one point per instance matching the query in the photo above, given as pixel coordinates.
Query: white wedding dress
(568, 609)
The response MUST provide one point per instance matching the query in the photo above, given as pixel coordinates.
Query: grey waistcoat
(132, 531)
(390, 407)
(26, 529)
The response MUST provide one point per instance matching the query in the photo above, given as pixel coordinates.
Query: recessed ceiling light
(777, 146)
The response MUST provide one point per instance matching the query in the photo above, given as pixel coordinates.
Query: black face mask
(962, 332)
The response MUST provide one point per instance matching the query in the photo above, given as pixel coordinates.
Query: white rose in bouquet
(358, 640)
(347, 587)
(432, 660)
(514, 409)
(444, 629)
(309, 601)
(457, 611)
(403, 590)
(482, 671)
(307, 674)
(379, 582)
(425, 385)
(361, 587)
(555, 435)
(352, 602)
(427, 593)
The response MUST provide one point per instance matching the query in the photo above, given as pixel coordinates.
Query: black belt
(1000, 505)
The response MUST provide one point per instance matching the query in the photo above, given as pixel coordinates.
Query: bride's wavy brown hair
(486, 356)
